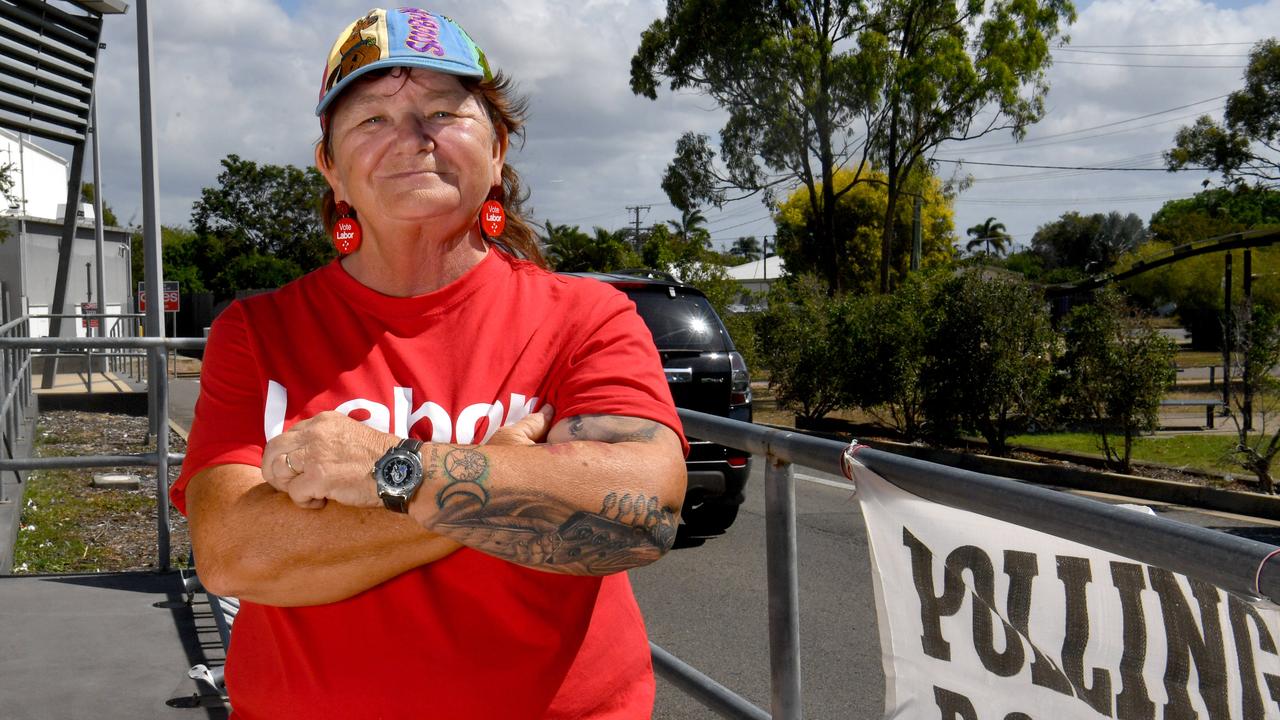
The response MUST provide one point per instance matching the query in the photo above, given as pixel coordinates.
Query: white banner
(985, 620)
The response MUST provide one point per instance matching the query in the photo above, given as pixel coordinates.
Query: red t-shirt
(468, 636)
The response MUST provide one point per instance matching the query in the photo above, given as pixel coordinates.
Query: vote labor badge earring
(493, 217)
(346, 230)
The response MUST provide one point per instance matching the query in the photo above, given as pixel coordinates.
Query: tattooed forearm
(530, 528)
(465, 475)
(612, 428)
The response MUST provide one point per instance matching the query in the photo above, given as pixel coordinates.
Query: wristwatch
(398, 474)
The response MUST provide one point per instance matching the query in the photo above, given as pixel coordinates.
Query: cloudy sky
(241, 76)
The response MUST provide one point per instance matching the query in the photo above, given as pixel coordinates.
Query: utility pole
(636, 209)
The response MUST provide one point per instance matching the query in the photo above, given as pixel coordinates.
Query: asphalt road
(707, 604)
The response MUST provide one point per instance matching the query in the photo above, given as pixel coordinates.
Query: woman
(423, 466)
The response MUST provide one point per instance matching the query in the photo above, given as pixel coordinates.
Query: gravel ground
(68, 525)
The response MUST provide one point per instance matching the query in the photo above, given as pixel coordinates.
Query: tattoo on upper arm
(528, 528)
(612, 428)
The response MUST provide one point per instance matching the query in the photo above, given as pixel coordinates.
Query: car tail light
(740, 390)
(737, 462)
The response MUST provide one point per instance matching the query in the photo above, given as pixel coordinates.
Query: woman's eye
(372, 120)
(441, 114)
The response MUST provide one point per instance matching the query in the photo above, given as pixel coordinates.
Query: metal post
(784, 590)
(1226, 333)
(69, 226)
(157, 380)
(99, 234)
(1247, 283)
(6, 426)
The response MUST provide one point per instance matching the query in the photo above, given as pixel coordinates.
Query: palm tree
(747, 248)
(988, 232)
(567, 247)
(690, 223)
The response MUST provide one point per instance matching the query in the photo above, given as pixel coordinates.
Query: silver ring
(292, 469)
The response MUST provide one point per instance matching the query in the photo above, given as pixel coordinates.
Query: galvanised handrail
(1232, 563)
(159, 392)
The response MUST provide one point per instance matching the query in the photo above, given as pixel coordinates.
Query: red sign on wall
(170, 297)
(87, 309)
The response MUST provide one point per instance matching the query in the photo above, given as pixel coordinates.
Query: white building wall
(39, 178)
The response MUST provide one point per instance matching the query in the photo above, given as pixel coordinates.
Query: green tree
(1118, 367)
(691, 226)
(747, 248)
(817, 86)
(1214, 212)
(858, 218)
(6, 188)
(794, 342)
(882, 340)
(264, 209)
(1087, 244)
(1194, 286)
(938, 80)
(988, 233)
(88, 193)
(1243, 147)
(571, 250)
(1257, 342)
(987, 361)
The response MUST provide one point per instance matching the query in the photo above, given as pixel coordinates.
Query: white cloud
(241, 77)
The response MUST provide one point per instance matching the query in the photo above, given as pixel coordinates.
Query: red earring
(346, 230)
(493, 217)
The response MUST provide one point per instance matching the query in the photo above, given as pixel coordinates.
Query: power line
(1168, 45)
(1067, 167)
(1044, 140)
(1142, 54)
(1057, 202)
(1138, 65)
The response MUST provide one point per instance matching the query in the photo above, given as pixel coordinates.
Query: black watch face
(398, 472)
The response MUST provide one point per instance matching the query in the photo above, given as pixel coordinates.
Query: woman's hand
(530, 430)
(327, 457)
(331, 457)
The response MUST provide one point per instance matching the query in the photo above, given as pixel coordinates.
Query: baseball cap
(404, 37)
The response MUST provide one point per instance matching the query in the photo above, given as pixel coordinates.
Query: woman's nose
(414, 133)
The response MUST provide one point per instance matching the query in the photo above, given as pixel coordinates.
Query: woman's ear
(499, 159)
(323, 164)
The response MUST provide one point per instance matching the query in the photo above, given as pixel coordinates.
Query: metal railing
(1232, 563)
(19, 385)
(131, 363)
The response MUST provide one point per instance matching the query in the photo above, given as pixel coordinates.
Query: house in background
(756, 277)
(31, 219)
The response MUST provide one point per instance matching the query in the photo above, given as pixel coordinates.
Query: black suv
(706, 374)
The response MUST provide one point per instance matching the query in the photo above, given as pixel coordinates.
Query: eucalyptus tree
(1245, 146)
(812, 86)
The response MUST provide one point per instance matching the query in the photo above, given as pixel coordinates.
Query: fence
(16, 387)
(1233, 563)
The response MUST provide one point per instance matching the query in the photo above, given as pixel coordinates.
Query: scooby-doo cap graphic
(404, 37)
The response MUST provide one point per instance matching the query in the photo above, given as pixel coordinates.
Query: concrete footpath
(98, 646)
(109, 645)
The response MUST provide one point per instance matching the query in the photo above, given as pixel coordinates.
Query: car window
(683, 322)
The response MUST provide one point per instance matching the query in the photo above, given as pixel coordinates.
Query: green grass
(1198, 358)
(1199, 451)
